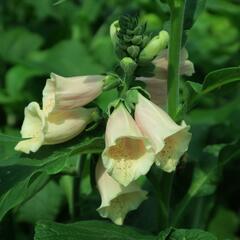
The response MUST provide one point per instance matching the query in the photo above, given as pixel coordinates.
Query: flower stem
(177, 8)
(76, 187)
(155, 179)
(177, 15)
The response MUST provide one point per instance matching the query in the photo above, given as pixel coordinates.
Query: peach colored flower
(117, 200)
(127, 154)
(64, 93)
(168, 139)
(57, 127)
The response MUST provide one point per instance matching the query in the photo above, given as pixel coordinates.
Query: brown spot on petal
(127, 149)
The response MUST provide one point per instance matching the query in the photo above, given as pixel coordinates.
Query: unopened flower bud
(110, 82)
(145, 41)
(128, 65)
(133, 51)
(114, 28)
(136, 40)
(153, 48)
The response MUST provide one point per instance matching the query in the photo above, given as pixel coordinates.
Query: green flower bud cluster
(129, 37)
(131, 41)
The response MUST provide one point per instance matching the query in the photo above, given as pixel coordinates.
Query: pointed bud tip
(128, 65)
(153, 48)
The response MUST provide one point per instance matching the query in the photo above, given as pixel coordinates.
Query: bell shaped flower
(127, 154)
(157, 85)
(57, 127)
(117, 200)
(168, 139)
(64, 93)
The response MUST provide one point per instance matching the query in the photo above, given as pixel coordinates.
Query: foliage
(72, 38)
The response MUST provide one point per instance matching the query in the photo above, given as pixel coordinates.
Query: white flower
(64, 93)
(57, 127)
(127, 154)
(62, 117)
(168, 139)
(117, 200)
(157, 85)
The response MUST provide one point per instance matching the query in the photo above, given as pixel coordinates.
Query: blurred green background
(71, 38)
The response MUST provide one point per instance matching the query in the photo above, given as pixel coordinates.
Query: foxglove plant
(137, 132)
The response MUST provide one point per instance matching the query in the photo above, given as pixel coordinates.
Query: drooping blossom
(64, 93)
(116, 200)
(62, 116)
(41, 129)
(169, 140)
(127, 154)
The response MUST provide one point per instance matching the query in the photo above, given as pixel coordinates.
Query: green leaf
(224, 224)
(17, 43)
(7, 144)
(10, 175)
(102, 46)
(93, 7)
(213, 116)
(41, 8)
(203, 176)
(66, 182)
(17, 77)
(67, 58)
(220, 77)
(106, 98)
(185, 234)
(85, 230)
(20, 192)
(193, 91)
(44, 205)
(8, 138)
(50, 160)
(193, 9)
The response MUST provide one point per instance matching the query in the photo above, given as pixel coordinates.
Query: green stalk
(76, 187)
(155, 179)
(177, 8)
(177, 15)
